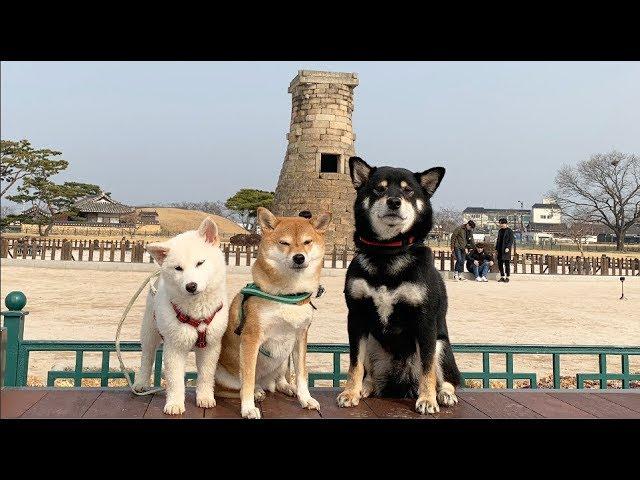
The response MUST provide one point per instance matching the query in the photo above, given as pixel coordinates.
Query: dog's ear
(360, 171)
(266, 219)
(208, 230)
(158, 251)
(430, 179)
(321, 222)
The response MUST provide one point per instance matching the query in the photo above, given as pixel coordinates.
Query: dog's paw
(205, 400)
(259, 394)
(426, 405)
(251, 412)
(174, 408)
(348, 398)
(447, 398)
(310, 403)
(288, 389)
(141, 386)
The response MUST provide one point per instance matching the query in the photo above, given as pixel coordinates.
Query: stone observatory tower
(315, 172)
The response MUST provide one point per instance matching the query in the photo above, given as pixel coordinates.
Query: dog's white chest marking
(280, 316)
(280, 323)
(384, 298)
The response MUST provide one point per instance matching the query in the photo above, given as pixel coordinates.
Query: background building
(101, 208)
(486, 219)
(546, 212)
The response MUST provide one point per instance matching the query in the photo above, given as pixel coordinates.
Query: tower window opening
(329, 163)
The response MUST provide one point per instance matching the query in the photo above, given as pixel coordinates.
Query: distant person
(461, 240)
(504, 247)
(480, 262)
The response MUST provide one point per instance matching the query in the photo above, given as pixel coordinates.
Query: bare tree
(6, 210)
(604, 189)
(129, 222)
(445, 220)
(216, 208)
(578, 229)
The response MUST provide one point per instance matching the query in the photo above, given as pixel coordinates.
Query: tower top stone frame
(315, 171)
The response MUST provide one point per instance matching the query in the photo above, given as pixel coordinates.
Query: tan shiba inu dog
(290, 259)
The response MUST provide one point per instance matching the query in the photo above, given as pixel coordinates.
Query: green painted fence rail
(18, 351)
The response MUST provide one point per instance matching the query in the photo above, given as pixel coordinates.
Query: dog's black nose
(298, 259)
(393, 203)
(191, 287)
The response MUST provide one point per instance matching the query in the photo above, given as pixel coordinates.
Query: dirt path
(86, 305)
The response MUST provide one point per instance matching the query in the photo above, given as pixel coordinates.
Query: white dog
(189, 311)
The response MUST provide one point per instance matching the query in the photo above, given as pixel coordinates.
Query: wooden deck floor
(120, 403)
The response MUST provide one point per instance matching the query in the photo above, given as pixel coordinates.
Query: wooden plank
(394, 408)
(225, 408)
(156, 407)
(405, 408)
(546, 405)
(462, 410)
(597, 406)
(630, 400)
(14, 403)
(63, 403)
(118, 404)
(329, 406)
(278, 405)
(496, 405)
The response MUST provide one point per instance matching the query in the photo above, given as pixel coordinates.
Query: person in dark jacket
(480, 262)
(461, 240)
(504, 247)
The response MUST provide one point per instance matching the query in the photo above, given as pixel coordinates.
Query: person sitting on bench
(482, 261)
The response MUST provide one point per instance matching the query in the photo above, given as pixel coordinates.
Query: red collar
(202, 335)
(397, 243)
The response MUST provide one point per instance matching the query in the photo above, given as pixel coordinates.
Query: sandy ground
(86, 305)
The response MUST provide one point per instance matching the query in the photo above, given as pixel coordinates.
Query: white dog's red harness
(201, 342)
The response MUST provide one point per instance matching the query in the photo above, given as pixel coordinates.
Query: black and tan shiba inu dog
(399, 344)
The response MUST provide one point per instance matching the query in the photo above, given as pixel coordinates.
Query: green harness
(252, 290)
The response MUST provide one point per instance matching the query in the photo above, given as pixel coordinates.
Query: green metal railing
(18, 353)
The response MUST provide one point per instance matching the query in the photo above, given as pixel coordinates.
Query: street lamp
(521, 222)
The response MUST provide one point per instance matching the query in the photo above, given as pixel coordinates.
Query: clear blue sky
(155, 132)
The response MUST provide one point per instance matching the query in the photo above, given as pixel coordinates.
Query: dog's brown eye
(281, 242)
(407, 191)
(379, 190)
(308, 242)
(199, 263)
(179, 268)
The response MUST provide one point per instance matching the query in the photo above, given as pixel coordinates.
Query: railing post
(13, 321)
